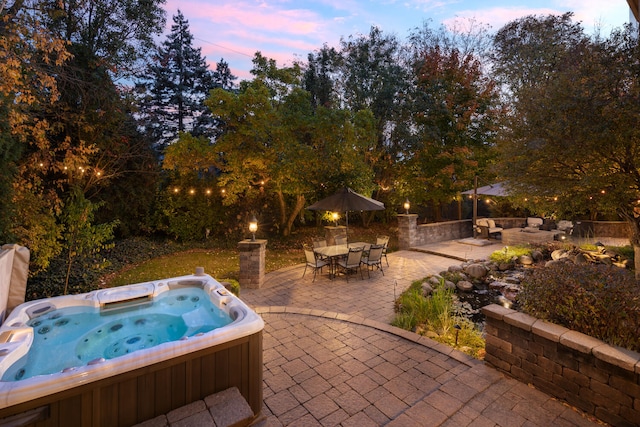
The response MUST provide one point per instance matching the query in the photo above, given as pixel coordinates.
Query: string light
(192, 191)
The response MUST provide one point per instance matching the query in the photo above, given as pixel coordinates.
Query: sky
(288, 30)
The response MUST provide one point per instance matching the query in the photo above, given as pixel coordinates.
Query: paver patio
(331, 358)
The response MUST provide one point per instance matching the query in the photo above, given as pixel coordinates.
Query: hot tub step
(227, 408)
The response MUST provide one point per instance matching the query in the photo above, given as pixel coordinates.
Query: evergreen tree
(175, 86)
(222, 77)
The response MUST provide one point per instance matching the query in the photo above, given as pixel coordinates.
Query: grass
(224, 264)
(219, 263)
(509, 253)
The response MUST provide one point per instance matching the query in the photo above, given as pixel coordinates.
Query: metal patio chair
(313, 261)
(374, 259)
(352, 262)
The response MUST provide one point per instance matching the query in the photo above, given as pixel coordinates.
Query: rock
(513, 280)
(435, 280)
(558, 253)
(537, 256)
(580, 259)
(448, 284)
(622, 264)
(492, 266)
(476, 271)
(553, 262)
(426, 289)
(504, 266)
(525, 260)
(498, 285)
(455, 269)
(464, 286)
(605, 259)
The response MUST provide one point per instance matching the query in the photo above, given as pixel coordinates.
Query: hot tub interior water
(74, 336)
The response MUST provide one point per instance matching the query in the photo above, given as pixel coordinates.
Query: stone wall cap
(495, 311)
(251, 243)
(618, 356)
(579, 341)
(548, 330)
(520, 320)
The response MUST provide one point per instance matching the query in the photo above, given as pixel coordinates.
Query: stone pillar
(407, 230)
(252, 263)
(330, 233)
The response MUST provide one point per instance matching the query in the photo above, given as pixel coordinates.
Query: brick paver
(332, 359)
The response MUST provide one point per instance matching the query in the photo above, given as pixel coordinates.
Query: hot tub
(134, 352)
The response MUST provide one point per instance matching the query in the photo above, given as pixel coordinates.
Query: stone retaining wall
(585, 372)
(412, 234)
(597, 229)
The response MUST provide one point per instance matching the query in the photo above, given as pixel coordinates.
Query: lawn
(219, 263)
(224, 263)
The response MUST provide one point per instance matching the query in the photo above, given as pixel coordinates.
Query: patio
(331, 357)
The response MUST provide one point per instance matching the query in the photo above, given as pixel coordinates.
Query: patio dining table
(334, 252)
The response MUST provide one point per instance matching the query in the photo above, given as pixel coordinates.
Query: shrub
(598, 300)
(435, 317)
(508, 253)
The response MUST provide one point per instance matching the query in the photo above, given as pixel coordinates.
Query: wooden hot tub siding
(147, 392)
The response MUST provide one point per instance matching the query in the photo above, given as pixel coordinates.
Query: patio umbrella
(497, 189)
(345, 200)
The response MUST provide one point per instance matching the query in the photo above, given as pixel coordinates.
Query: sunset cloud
(286, 30)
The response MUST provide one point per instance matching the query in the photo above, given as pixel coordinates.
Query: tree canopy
(538, 103)
(570, 142)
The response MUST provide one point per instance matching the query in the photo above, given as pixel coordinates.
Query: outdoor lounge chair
(313, 262)
(374, 259)
(352, 262)
(487, 227)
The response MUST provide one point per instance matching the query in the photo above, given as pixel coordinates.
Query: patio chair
(352, 262)
(374, 259)
(488, 227)
(319, 243)
(313, 262)
(384, 241)
(341, 239)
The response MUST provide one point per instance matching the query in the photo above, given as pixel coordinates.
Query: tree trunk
(286, 222)
(296, 210)
(282, 205)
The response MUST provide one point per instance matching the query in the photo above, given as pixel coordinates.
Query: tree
(274, 143)
(451, 112)
(320, 77)
(80, 236)
(373, 78)
(175, 86)
(527, 51)
(572, 143)
(222, 76)
(64, 107)
(28, 51)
